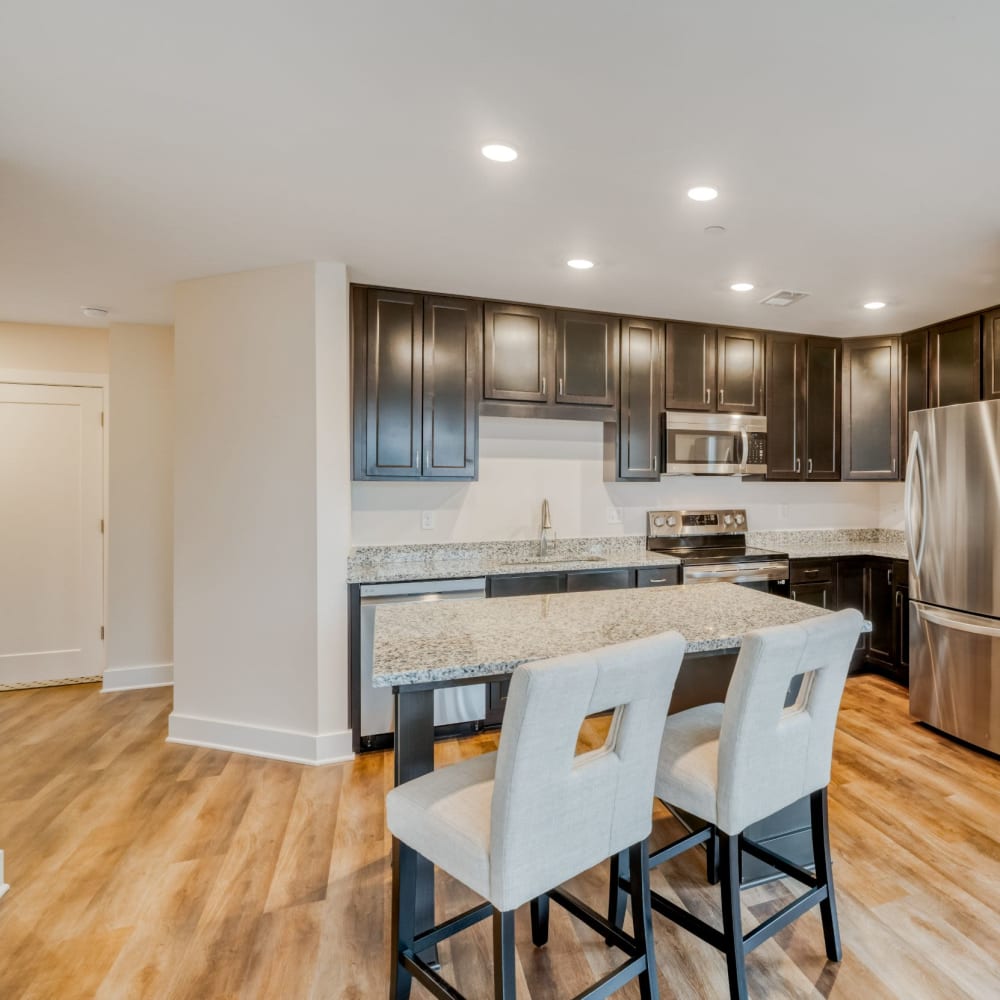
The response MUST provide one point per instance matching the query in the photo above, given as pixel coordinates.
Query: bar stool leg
(504, 986)
(712, 863)
(616, 895)
(540, 921)
(404, 906)
(732, 924)
(642, 919)
(819, 813)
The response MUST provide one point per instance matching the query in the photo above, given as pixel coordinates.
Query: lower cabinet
(876, 587)
(572, 581)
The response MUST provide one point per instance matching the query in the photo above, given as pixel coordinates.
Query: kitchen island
(421, 647)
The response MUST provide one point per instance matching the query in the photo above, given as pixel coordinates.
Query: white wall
(140, 507)
(39, 347)
(891, 506)
(260, 527)
(523, 461)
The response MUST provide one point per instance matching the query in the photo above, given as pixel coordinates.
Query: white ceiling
(855, 144)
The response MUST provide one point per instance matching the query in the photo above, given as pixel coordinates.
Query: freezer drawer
(955, 673)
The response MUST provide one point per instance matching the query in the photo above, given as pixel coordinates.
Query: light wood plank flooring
(146, 870)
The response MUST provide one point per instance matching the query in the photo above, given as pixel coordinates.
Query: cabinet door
(822, 409)
(955, 356)
(901, 607)
(740, 366)
(641, 386)
(690, 367)
(871, 408)
(526, 584)
(393, 392)
(586, 356)
(785, 373)
(452, 333)
(913, 377)
(852, 590)
(991, 355)
(667, 576)
(578, 581)
(820, 594)
(517, 343)
(880, 611)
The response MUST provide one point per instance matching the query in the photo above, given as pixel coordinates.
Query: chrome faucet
(547, 536)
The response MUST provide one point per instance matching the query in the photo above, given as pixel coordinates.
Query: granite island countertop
(428, 643)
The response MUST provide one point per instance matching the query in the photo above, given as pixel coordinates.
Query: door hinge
(102, 631)
(102, 525)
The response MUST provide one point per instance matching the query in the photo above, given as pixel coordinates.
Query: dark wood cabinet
(390, 355)
(822, 408)
(578, 581)
(820, 594)
(660, 576)
(879, 611)
(955, 353)
(689, 361)
(518, 353)
(991, 354)
(913, 372)
(416, 385)
(740, 371)
(632, 445)
(785, 378)
(525, 584)
(586, 358)
(901, 619)
(452, 335)
(871, 408)
(813, 582)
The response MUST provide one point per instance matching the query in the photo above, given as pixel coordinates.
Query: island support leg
(414, 756)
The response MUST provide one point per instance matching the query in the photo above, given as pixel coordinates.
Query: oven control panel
(677, 523)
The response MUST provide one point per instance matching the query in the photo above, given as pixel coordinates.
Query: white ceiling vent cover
(783, 298)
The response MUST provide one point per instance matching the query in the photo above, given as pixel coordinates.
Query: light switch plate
(616, 515)
(427, 520)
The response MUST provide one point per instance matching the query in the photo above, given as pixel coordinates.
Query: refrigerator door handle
(959, 624)
(915, 467)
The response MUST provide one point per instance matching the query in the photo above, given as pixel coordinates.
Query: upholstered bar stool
(515, 824)
(735, 764)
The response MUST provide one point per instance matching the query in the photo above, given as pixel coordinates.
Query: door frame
(82, 380)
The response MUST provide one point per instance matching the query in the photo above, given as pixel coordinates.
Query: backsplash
(523, 461)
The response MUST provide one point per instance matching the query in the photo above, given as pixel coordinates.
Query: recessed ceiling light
(703, 194)
(874, 305)
(741, 286)
(500, 153)
(94, 312)
(581, 263)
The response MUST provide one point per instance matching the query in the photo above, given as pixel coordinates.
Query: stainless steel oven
(713, 444)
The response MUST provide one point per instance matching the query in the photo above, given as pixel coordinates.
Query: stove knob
(671, 521)
(727, 520)
(659, 521)
(739, 518)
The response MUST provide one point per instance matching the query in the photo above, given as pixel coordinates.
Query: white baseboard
(3, 885)
(132, 678)
(258, 741)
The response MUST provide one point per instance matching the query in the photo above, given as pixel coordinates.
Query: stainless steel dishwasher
(463, 703)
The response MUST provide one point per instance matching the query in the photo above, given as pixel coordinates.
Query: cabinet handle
(560, 387)
(708, 396)
(543, 385)
(798, 466)
(809, 467)
(894, 467)
(416, 456)
(824, 600)
(654, 463)
(722, 396)
(793, 596)
(427, 459)
(899, 598)
(888, 574)
(810, 572)
(657, 579)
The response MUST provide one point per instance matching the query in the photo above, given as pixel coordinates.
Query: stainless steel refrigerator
(952, 510)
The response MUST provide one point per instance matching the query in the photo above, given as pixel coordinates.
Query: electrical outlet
(427, 520)
(616, 515)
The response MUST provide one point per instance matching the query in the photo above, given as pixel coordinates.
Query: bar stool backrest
(770, 754)
(556, 813)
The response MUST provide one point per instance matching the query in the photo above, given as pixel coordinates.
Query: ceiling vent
(783, 298)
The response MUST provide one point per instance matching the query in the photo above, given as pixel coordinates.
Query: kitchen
(376, 380)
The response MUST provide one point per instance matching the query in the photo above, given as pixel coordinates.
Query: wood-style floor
(142, 869)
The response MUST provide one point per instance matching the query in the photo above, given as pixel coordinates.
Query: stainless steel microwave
(713, 444)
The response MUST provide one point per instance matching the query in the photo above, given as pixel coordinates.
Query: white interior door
(51, 543)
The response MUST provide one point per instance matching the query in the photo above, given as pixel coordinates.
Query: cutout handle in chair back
(554, 813)
(772, 754)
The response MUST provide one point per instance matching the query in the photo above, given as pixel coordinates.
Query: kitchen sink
(553, 560)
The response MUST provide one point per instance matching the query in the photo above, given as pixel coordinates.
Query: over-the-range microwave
(712, 444)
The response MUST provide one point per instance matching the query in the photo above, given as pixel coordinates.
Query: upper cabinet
(517, 353)
(913, 368)
(991, 355)
(871, 408)
(719, 371)
(955, 353)
(416, 385)
(803, 408)
(586, 358)
(632, 446)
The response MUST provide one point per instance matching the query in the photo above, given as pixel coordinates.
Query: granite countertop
(426, 643)
(832, 542)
